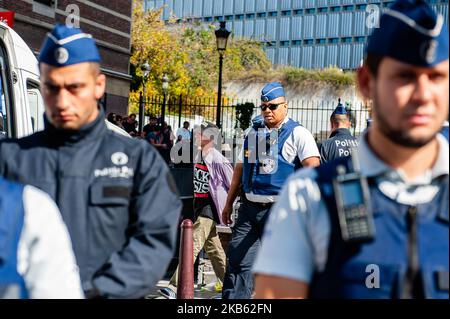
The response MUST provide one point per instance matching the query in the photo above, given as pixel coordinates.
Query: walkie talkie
(353, 204)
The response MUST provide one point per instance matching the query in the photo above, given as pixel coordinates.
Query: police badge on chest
(268, 165)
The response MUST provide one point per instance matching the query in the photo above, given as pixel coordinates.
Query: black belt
(264, 205)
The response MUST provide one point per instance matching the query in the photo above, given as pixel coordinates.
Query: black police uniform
(116, 196)
(338, 145)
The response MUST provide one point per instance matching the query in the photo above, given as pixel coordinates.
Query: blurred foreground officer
(262, 171)
(115, 193)
(378, 229)
(36, 257)
(341, 140)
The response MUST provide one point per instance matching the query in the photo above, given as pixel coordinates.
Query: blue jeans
(245, 242)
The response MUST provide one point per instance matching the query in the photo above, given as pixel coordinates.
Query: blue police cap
(411, 32)
(66, 46)
(272, 91)
(340, 109)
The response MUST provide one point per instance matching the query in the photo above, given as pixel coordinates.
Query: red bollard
(185, 289)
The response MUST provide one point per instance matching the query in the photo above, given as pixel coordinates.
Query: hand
(226, 214)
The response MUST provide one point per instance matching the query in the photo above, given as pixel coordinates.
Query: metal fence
(314, 115)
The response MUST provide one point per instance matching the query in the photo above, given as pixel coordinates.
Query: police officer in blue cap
(375, 225)
(273, 149)
(115, 193)
(341, 141)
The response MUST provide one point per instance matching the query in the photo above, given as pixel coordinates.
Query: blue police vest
(265, 174)
(407, 259)
(12, 284)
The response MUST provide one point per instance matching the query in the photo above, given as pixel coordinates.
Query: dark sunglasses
(271, 107)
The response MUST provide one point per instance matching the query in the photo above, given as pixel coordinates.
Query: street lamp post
(222, 35)
(165, 87)
(145, 71)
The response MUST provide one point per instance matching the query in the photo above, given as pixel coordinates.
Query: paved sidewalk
(205, 292)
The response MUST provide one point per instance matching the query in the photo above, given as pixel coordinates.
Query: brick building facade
(109, 22)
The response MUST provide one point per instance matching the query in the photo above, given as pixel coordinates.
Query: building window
(321, 41)
(335, 9)
(348, 8)
(333, 40)
(262, 15)
(286, 13)
(323, 9)
(273, 14)
(361, 6)
(45, 7)
(360, 39)
(271, 44)
(310, 11)
(228, 18)
(346, 40)
(284, 43)
(296, 42)
(309, 41)
(218, 18)
(250, 16)
(239, 17)
(208, 19)
(49, 3)
(298, 12)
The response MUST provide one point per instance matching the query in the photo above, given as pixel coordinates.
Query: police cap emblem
(429, 50)
(61, 55)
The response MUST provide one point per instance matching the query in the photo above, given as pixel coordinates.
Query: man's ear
(100, 86)
(364, 78)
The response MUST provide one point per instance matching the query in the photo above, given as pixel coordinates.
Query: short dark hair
(339, 118)
(112, 116)
(373, 62)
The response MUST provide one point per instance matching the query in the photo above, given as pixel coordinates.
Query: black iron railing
(314, 115)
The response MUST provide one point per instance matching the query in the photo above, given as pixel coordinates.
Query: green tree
(187, 54)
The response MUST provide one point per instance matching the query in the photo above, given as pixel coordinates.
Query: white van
(21, 103)
(20, 100)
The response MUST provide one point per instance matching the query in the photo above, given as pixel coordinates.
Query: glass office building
(301, 33)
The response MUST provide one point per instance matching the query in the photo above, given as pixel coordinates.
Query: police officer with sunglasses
(273, 149)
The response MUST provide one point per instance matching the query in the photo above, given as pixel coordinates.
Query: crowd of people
(352, 218)
(159, 135)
